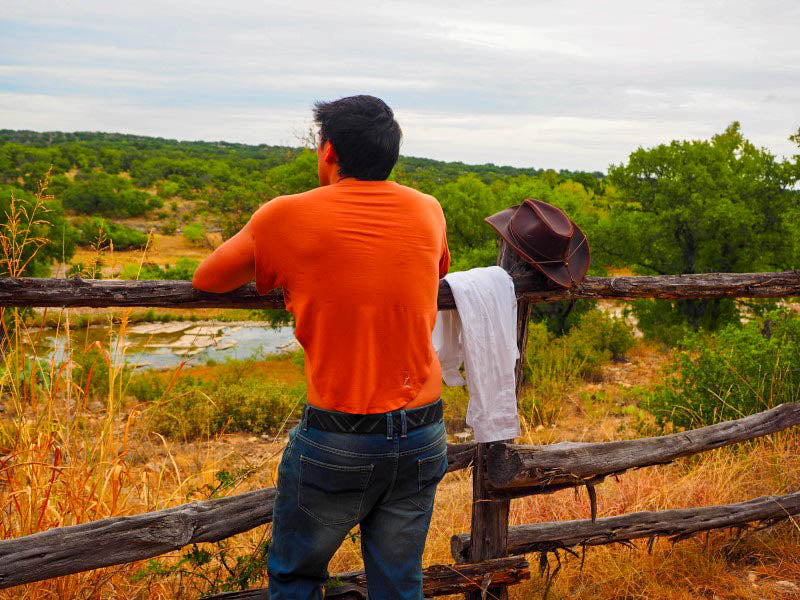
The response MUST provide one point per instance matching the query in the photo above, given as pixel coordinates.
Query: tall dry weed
(64, 453)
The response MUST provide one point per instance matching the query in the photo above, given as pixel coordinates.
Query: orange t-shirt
(359, 263)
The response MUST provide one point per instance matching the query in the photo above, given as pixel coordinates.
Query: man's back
(360, 263)
(359, 259)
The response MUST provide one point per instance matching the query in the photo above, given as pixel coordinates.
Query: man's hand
(230, 266)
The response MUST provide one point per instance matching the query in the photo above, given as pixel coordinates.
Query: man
(359, 259)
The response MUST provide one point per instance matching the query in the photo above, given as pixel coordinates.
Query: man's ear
(329, 153)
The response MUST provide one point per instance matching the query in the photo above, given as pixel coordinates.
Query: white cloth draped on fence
(482, 334)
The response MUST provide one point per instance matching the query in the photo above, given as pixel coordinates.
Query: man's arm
(230, 266)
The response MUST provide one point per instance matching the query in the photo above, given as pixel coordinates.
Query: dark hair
(364, 134)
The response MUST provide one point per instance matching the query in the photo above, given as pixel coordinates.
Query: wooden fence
(488, 558)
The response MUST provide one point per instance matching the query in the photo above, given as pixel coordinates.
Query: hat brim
(563, 275)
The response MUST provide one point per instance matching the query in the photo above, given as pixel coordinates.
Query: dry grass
(81, 465)
(719, 564)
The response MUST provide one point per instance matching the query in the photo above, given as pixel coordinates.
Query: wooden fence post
(489, 529)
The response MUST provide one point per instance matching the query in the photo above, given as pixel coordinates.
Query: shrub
(133, 203)
(597, 338)
(91, 271)
(168, 189)
(299, 359)
(740, 370)
(183, 269)
(91, 372)
(606, 333)
(560, 317)
(98, 228)
(195, 233)
(147, 386)
(659, 320)
(170, 227)
(665, 320)
(554, 364)
(234, 402)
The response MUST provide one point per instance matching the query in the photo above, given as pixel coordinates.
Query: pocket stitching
(442, 438)
(335, 467)
(339, 452)
(419, 475)
(351, 469)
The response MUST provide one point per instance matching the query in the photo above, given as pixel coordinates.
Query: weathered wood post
(489, 530)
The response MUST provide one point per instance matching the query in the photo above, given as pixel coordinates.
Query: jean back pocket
(430, 471)
(332, 494)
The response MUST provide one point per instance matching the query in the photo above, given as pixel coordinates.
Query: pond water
(165, 345)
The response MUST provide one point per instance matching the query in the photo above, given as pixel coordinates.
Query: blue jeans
(328, 482)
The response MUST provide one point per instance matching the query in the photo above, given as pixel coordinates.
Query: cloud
(567, 85)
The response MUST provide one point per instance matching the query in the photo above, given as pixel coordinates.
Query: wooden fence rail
(528, 285)
(119, 540)
(680, 524)
(437, 580)
(523, 470)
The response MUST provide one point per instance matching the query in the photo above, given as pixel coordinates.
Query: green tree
(719, 205)
(794, 213)
(299, 175)
(237, 204)
(466, 202)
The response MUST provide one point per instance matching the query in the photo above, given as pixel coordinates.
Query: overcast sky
(573, 84)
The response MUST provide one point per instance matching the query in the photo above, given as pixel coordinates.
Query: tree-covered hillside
(689, 206)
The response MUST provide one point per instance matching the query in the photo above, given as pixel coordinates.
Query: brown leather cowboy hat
(547, 238)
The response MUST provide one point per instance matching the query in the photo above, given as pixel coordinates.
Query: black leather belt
(399, 421)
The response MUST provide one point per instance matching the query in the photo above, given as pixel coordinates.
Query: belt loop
(305, 418)
(389, 432)
(403, 424)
